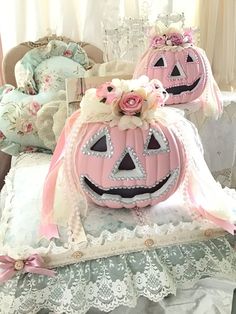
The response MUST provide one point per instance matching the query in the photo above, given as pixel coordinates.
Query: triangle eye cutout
(190, 59)
(155, 143)
(99, 144)
(160, 62)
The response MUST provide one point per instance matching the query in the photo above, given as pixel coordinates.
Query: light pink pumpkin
(182, 72)
(127, 168)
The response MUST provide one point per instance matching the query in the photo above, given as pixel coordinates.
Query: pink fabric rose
(158, 41)
(107, 93)
(176, 39)
(131, 103)
(34, 108)
(68, 53)
(188, 36)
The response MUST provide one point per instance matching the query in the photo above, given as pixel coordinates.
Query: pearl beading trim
(138, 198)
(86, 149)
(164, 145)
(152, 238)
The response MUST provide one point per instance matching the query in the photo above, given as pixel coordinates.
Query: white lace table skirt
(208, 296)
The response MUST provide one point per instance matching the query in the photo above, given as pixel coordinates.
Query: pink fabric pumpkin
(125, 152)
(128, 168)
(183, 72)
(186, 75)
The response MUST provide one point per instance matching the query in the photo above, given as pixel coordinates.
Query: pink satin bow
(33, 264)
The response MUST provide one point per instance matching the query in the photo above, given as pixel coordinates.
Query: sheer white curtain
(23, 20)
(1, 57)
(218, 37)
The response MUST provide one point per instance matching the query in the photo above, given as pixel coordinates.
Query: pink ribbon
(195, 195)
(48, 228)
(33, 264)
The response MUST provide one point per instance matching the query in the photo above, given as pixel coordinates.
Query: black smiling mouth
(176, 90)
(126, 192)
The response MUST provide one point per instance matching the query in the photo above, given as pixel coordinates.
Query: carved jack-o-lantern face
(129, 168)
(183, 72)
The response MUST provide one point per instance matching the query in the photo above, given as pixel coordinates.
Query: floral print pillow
(18, 115)
(26, 67)
(50, 74)
(40, 75)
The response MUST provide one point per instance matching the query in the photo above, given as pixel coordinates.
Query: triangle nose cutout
(127, 163)
(175, 71)
(128, 166)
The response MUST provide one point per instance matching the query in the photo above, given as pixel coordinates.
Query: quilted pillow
(40, 77)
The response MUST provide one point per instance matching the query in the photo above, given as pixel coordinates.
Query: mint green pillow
(18, 115)
(51, 73)
(40, 76)
(72, 56)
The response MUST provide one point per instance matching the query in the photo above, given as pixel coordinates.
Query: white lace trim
(123, 241)
(6, 213)
(153, 275)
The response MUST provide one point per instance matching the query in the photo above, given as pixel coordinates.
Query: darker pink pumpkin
(182, 72)
(128, 168)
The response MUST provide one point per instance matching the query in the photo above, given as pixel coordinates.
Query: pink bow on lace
(33, 264)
